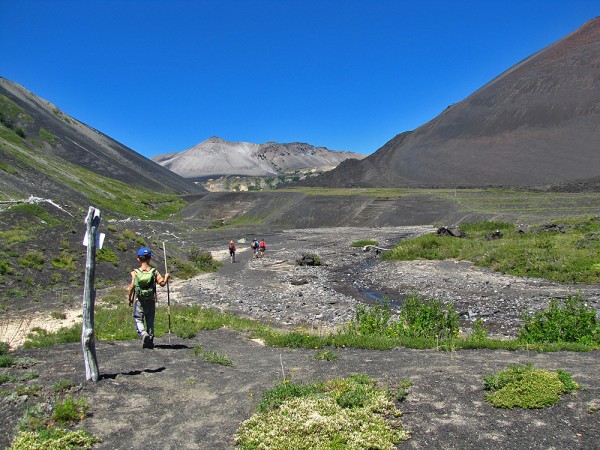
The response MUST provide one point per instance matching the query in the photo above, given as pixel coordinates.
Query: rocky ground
(169, 399)
(276, 289)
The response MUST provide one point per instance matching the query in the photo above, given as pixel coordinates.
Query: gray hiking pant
(144, 310)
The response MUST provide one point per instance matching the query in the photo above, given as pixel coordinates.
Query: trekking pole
(168, 294)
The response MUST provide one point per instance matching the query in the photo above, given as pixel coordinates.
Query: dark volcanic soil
(168, 398)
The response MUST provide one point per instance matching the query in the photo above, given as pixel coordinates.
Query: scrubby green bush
(569, 321)
(428, 318)
(6, 360)
(527, 387)
(203, 260)
(33, 259)
(64, 260)
(418, 318)
(352, 413)
(105, 254)
(70, 410)
(5, 267)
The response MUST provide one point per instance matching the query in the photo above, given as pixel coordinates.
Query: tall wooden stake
(89, 297)
(168, 293)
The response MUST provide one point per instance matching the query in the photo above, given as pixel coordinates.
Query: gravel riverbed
(277, 290)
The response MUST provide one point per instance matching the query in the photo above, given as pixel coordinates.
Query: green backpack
(145, 284)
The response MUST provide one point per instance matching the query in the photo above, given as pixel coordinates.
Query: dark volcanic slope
(537, 124)
(86, 147)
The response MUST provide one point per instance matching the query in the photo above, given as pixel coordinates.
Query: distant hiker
(232, 251)
(254, 247)
(263, 247)
(143, 290)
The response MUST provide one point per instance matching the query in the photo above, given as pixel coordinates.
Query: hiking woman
(143, 290)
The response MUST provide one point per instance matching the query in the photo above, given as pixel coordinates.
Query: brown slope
(84, 146)
(537, 124)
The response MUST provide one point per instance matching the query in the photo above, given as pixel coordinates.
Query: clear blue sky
(162, 76)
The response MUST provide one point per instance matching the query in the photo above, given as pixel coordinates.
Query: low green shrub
(5, 267)
(363, 243)
(36, 210)
(64, 260)
(273, 398)
(33, 259)
(352, 413)
(527, 387)
(38, 429)
(326, 355)
(62, 386)
(105, 254)
(418, 318)
(69, 410)
(569, 321)
(427, 318)
(6, 360)
(203, 260)
(41, 338)
(53, 438)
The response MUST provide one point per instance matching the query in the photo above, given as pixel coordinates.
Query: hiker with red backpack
(232, 251)
(142, 296)
(263, 248)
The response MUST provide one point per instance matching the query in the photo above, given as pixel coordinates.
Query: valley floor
(167, 398)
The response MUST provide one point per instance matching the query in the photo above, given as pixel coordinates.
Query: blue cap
(144, 251)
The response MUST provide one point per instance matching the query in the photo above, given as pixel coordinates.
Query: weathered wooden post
(89, 296)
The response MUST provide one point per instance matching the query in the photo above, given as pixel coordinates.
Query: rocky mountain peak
(216, 157)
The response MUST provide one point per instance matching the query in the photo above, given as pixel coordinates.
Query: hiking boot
(146, 340)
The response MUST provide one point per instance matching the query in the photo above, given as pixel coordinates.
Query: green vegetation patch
(420, 323)
(8, 168)
(9, 109)
(212, 357)
(40, 429)
(351, 413)
(35, 210)
(33, 259)
(418, 318)
(106, 193)
(54, 438)
(47, 136)
(363, 243)
(203, 260)
(527, 387)
(569, 321)
(565, 251)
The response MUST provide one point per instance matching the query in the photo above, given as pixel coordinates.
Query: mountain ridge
(533, 126)
(83, 145)
(216, 157)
